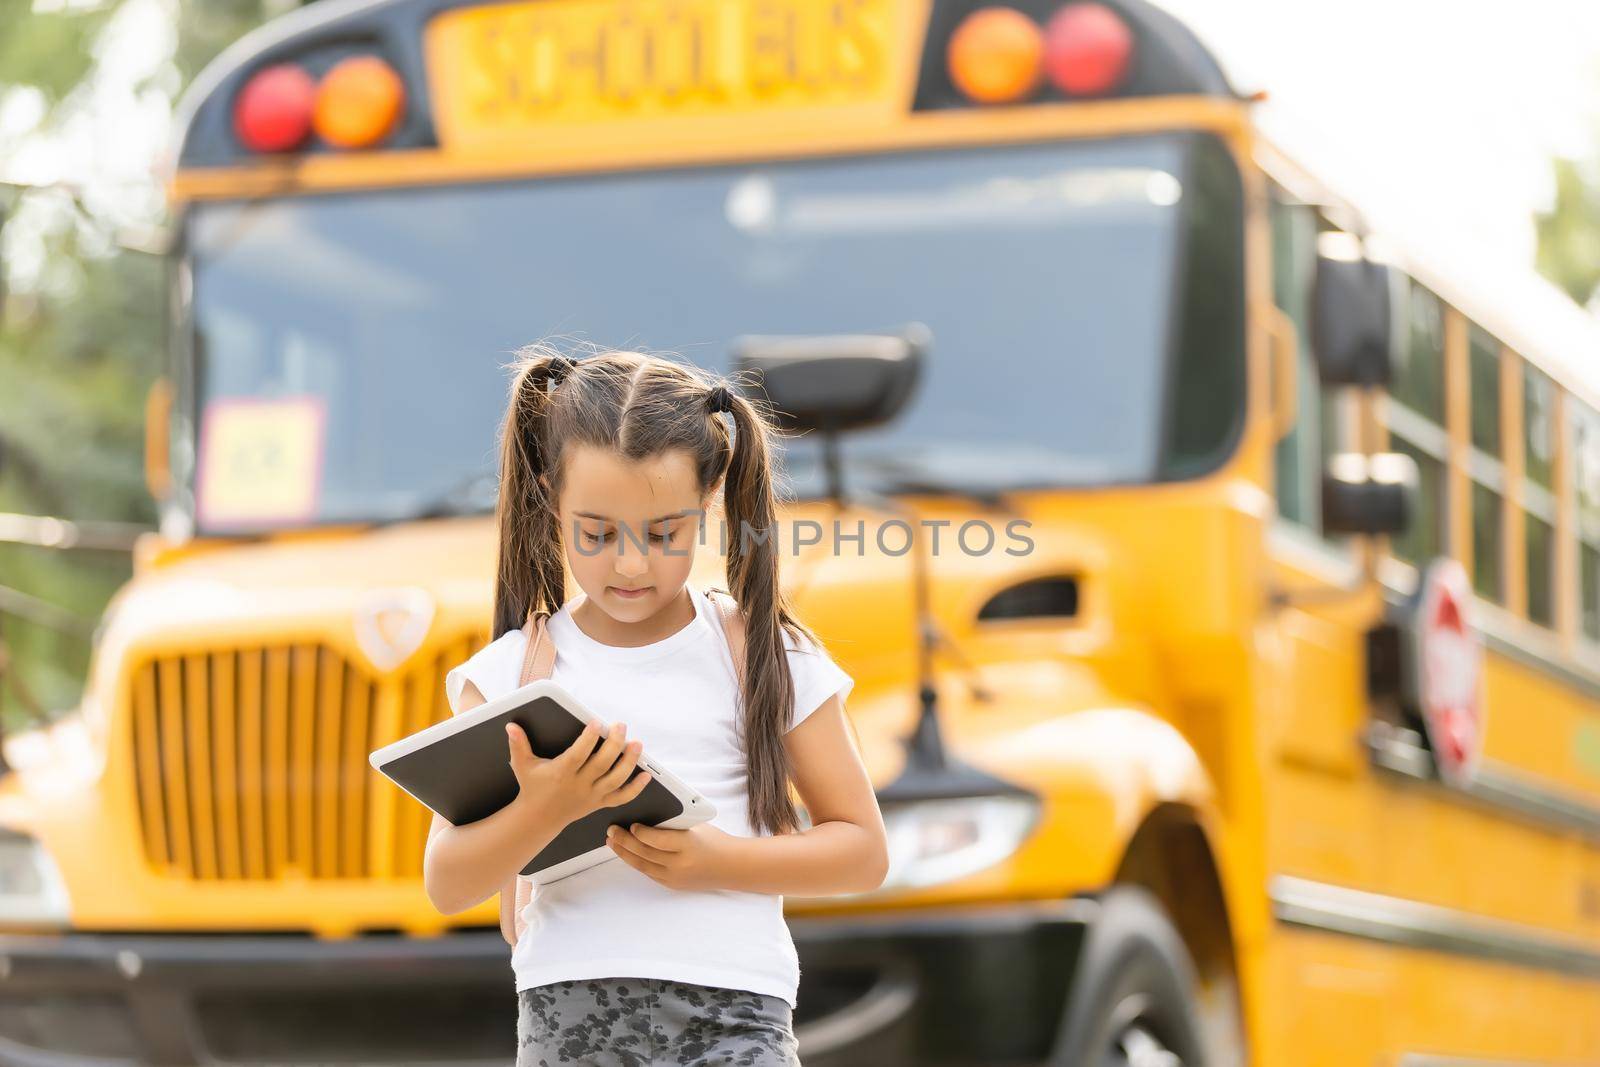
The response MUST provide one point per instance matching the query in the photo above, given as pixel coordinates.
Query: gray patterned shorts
(633, 1022)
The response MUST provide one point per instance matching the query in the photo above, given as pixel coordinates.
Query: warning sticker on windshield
(260, 461)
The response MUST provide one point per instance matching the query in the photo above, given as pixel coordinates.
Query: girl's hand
(580, 780)
(696, 858)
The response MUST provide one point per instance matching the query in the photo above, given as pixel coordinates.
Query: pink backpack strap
(538, 663)
(539, 660)
(732, 628)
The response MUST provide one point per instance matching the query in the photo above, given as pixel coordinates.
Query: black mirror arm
(930, 772)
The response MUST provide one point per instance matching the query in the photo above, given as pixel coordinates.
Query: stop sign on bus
(1449, 670)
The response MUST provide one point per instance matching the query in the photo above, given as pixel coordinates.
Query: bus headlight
(31, 889)
(935, 841)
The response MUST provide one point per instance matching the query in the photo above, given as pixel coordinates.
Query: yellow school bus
(1267, 730)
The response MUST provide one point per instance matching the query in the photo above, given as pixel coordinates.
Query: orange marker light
(996, 55)
(358, 102)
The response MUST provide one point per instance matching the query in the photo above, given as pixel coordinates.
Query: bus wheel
(1133, 1001)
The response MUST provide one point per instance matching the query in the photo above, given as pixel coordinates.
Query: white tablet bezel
(696, 808)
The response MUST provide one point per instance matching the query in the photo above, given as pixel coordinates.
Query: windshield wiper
(976, 471)
(471, 495)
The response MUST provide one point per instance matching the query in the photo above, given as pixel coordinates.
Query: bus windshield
(1050, 276)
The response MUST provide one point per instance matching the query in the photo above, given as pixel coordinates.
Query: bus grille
(251, 763)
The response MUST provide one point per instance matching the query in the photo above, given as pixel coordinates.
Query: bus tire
(1132, 1001)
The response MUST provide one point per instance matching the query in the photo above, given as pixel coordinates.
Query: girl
(677, 950)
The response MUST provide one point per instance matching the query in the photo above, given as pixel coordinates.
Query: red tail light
(273, 110)
(1087, 48)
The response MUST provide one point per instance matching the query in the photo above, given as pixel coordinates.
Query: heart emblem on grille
(391, 624)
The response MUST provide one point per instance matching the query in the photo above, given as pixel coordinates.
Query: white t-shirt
(677, 696)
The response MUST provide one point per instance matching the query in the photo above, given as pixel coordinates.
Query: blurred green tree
(82, 311)
(1569, 233)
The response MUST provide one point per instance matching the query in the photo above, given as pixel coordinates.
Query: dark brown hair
(640, 406)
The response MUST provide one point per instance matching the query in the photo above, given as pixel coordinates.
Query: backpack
(539, 662)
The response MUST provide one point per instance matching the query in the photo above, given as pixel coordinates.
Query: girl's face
(629, 528)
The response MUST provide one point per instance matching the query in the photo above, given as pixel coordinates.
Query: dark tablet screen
(467, 776)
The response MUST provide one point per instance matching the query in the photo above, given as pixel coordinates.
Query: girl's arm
(463, 865)
(460, 860)
(843, 851)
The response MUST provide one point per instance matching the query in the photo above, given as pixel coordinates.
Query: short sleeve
(816, 677)
(493, 669)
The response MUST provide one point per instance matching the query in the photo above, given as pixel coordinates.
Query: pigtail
(752, 564)
(529, 573)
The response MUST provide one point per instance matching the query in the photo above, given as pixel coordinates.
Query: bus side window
(1324, 424)
(1294, 259)
(1538, 493)
(1415, 418)
(1486, 465)
(1585, 452)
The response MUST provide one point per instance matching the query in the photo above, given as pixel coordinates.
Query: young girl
(677, 950)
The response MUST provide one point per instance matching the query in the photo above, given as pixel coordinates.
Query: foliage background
(82, 335)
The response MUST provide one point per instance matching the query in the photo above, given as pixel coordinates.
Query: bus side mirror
(1351, 314)
(836, 382)
(1364, 494)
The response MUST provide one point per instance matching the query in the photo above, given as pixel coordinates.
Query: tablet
(461, 769)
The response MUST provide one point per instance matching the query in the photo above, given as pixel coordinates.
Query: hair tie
(719, 399)
(560, 367)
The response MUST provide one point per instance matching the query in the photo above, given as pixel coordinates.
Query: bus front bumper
(976, 985)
